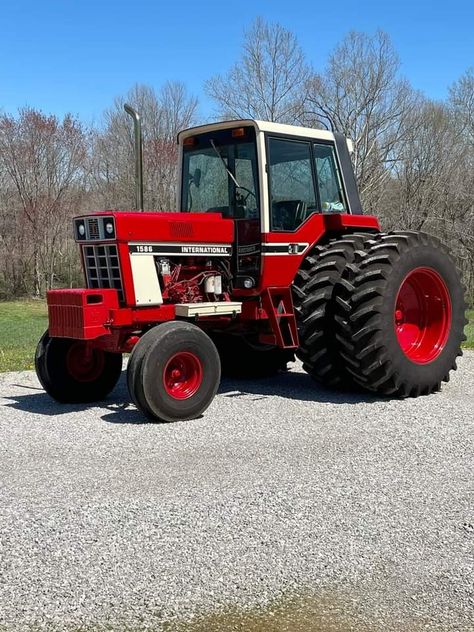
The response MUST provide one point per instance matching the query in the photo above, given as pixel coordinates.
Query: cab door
(304, 183)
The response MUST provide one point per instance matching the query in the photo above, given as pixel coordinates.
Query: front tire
(174, 372)
(401, 316)
(72, 373)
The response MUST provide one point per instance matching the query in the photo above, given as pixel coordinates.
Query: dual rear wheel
(384, 312)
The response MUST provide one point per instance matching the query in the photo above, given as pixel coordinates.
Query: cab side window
(329, 180)
(292, 193)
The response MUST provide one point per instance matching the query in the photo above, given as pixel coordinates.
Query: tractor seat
(288, 214)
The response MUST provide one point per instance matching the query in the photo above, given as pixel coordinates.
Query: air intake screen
(102, 268)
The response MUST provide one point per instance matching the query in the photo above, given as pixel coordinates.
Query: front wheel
(401, 315)
(174, 372)
(71, 371)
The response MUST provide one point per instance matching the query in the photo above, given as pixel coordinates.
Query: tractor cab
(270, 179)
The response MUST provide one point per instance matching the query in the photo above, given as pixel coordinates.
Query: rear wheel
(242, 357)
(314, 301)
(174, 372)
(72, 371)
(401, 315)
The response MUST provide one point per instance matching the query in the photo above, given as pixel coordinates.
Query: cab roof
(260, 126)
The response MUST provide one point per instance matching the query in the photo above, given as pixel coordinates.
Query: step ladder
(278, 304)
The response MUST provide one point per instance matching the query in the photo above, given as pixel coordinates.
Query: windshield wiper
(223, 162)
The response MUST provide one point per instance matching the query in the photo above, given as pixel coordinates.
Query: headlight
(94, 228)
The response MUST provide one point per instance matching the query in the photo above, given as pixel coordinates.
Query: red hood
(171, 227)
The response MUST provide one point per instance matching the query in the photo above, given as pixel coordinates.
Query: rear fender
(283, 252)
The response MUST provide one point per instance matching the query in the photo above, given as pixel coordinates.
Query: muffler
(138, 155)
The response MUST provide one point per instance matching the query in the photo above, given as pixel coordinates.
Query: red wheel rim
(422, 315)
(182, 376)
(83, 363)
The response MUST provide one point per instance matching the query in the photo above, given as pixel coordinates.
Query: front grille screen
(102, 268)
(93, 225)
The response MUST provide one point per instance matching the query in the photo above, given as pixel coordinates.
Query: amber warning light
(238, 132)
(189, 141)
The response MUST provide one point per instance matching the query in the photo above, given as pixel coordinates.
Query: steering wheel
(249, 193)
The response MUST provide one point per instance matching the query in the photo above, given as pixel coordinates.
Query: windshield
(220, 174)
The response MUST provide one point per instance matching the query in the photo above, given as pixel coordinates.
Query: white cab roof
(260, 126)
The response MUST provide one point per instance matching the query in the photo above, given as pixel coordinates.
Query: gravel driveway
(282, 491)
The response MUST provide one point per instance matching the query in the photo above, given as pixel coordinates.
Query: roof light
(189, 141)
(238, 132)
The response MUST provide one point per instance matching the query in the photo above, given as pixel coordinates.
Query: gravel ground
(281, 489)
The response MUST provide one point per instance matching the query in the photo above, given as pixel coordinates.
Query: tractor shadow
(293, 385)
(118, 406)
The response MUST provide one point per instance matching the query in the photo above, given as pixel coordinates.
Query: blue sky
(76, 56)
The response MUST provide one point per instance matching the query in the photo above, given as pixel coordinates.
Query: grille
(93, 225)
(102, 268)
(181, 230)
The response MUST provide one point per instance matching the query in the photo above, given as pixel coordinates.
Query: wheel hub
(83, 363)
(182, 375)
(422, 315)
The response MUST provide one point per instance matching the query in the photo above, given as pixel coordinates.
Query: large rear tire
(72, 373)
(314, 302)
(401, 315)
(174, 372)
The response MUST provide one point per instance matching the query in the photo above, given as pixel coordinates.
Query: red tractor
(269, 256)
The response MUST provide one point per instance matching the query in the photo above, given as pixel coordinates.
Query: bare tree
(14, 261)
(268, 81)
(163, 115)
(431, 185)
(361, 95)
(429, 160)
(461, 104)
(461, 100)
(178, 109)
(44, 161)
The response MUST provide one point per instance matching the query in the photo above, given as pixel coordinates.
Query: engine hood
(171, 227)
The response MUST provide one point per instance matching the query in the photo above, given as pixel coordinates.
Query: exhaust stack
(138, 155)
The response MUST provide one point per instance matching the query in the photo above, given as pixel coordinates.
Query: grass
(23, 322)
(469, 330)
